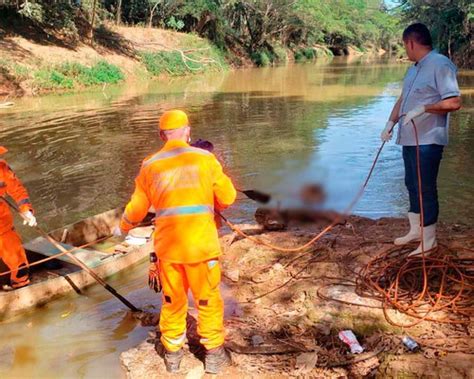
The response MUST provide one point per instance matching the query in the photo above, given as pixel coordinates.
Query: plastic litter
(137, 241)
(348, 337)
(410, 343)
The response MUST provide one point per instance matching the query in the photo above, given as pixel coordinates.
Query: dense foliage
(251, 24)
(451, 23)
(259, 24)
(261, 28)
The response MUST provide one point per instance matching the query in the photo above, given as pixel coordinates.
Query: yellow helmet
(173, 119)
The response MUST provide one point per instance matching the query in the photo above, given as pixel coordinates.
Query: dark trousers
(430, 158)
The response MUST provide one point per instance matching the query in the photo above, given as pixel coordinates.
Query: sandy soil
(290, 312)
(118, 46)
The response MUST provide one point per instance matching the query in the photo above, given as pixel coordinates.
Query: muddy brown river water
(275, 129)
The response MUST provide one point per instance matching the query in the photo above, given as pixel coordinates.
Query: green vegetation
(307, 53)
(256, 29)
(16, 71)
(72, 75)
(451, 23)
(262, 57)
(262, 29)
(177, 62)
(68, 75)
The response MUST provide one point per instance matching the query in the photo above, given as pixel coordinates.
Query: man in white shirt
(430, 91)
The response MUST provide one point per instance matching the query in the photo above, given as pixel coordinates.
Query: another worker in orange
(185, 185)
(12, 253)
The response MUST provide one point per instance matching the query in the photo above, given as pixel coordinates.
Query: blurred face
(410, 49)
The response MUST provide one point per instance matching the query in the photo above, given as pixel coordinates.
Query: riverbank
(29, 67)
(35, 62)
(291, 307)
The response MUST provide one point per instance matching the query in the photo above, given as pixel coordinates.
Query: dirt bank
(292, 306)
(33, 62)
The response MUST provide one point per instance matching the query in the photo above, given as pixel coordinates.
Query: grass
(280, 53)
(310, 53)
(174, 63)
(197, 57)
(305, 54)
(17, 71)
(71, 75)
(266, 57)
(262, 58)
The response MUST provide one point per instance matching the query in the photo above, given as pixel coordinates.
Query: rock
(277, 267)
(233, 275)
(142, 362)
(305, 362)
(257, 340)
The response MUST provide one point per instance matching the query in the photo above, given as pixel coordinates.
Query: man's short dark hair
(419, 33)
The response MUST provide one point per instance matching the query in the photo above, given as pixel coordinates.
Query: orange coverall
(184, 184)
(11, 249)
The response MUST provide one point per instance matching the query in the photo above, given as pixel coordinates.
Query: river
(274, 129)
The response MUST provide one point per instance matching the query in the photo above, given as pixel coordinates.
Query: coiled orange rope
(437, 287)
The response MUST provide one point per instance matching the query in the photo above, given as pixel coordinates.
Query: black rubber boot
(173, 360)
(216, 360)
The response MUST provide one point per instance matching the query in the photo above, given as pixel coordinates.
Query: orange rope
(393, 280)
(336, 221)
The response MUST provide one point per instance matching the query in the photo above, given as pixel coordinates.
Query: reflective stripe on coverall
(184, 184)
(11, 250)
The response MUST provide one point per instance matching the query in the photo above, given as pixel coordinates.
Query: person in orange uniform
(12, 253)
(185, 185)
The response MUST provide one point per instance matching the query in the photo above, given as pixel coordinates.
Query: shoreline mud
(291, 307)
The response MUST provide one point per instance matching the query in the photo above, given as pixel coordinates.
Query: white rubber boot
(414, 233)
(429, 240)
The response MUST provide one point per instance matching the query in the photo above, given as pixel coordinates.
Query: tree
(451, 24)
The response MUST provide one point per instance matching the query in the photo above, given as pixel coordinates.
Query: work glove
(29, 219)
(415, 112)
(117, 232)
(387, 132)
(154, 278)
